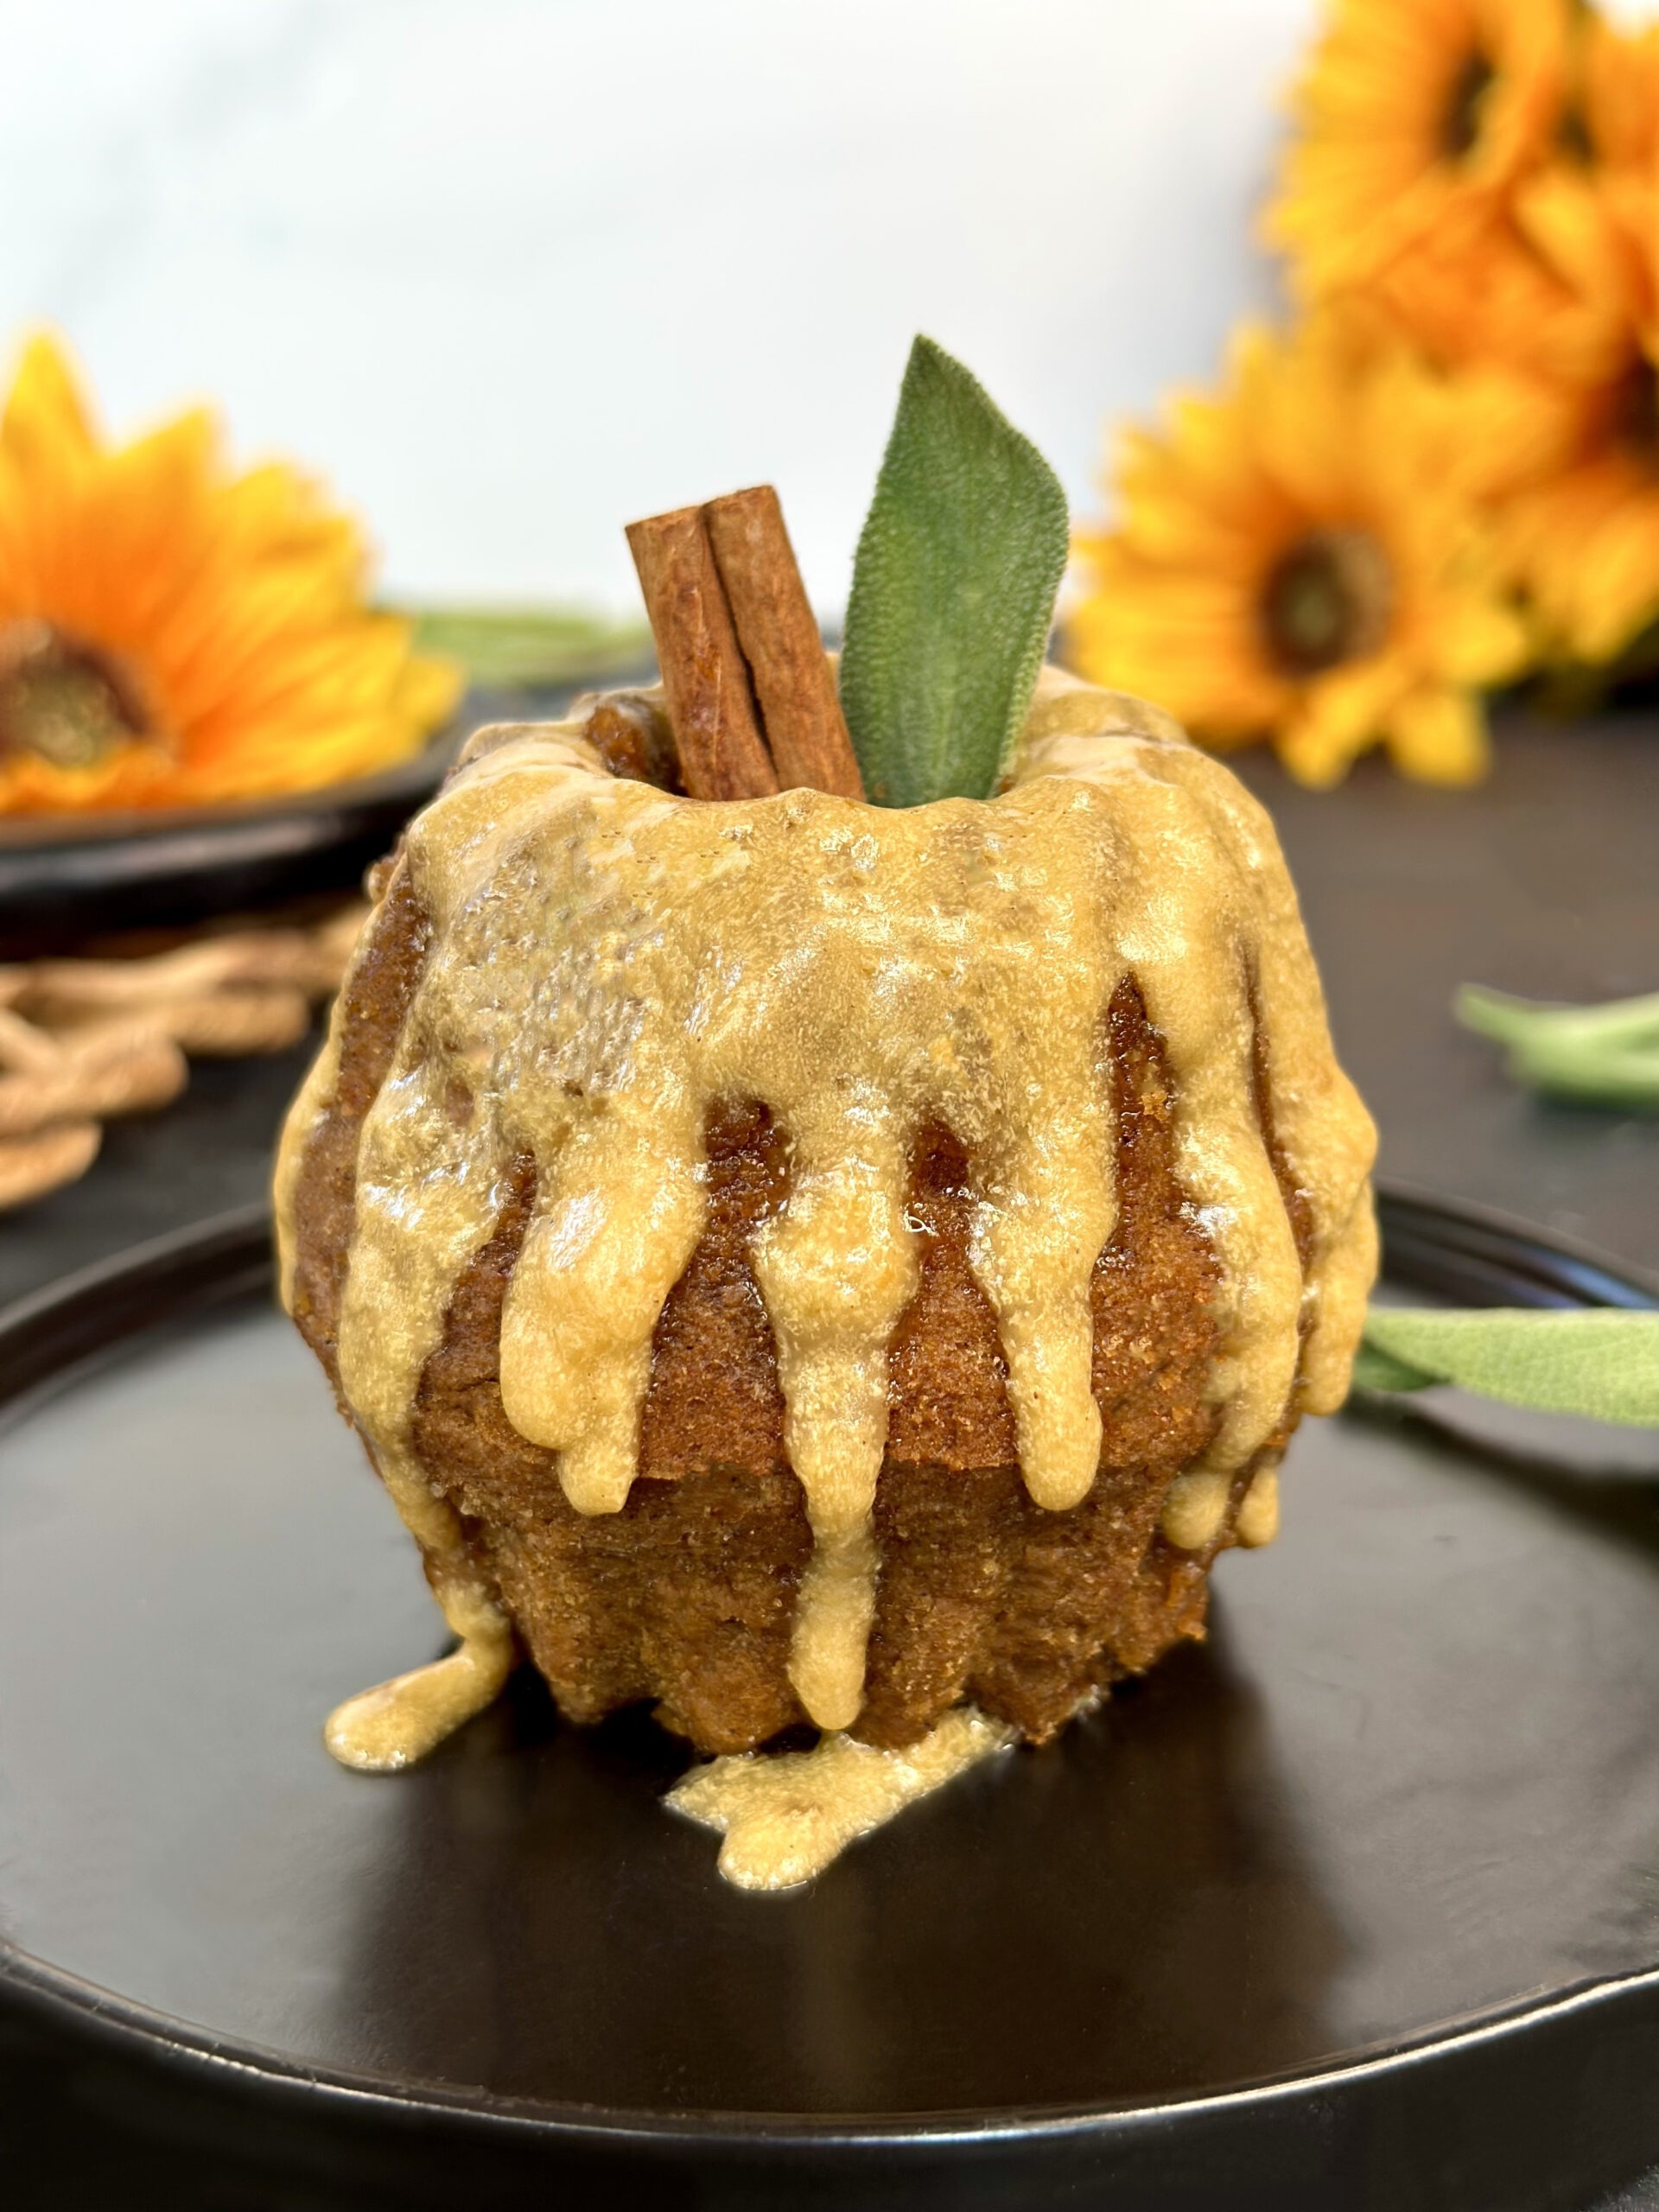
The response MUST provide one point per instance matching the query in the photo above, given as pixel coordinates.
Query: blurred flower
(1421, 122)
(1536, 281)
(170, 633)
(1452, 473)
(1584, 540)
(1481, 293)
(1432, 132)
(1413, 121)
(1613, 116)
(1306, 555)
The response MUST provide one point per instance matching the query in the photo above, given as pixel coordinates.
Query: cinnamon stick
(705, 677)
(800, 711)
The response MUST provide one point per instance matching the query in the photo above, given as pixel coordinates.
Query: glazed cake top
(607, 961)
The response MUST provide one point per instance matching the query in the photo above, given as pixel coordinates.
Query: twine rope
(84, 1041)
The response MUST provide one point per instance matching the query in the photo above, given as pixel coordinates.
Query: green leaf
(529, 648)
(1599, 1363)
(953, 592)
(1608, 1055)
(1515, 1021)
(1375, 1370)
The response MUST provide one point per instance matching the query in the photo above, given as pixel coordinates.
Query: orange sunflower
(1614, 116)
(1484, 295)
(170, 633)
(1413, 122)
(1584, 541)
(1306, 555)
(1419, 122)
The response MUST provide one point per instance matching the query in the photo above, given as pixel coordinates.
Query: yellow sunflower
(1584, 541)
(170, 633)
(1305, 556)
(1413, 122)
(1481, 293)
(1613, 118)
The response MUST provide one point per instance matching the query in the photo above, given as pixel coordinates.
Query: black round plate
(1358, 1905)
(64, 879)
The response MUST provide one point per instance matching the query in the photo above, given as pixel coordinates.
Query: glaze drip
(786, 1814)
(609, 963)
(391, 1726)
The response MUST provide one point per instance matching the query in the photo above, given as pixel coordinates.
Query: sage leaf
(1599, 1363)
(1377, 1370)
(1606, 1055)
(953, 592)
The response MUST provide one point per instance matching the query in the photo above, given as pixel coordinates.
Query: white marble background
(509, 272)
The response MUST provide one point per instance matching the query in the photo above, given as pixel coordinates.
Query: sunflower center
(1636, 413)
(1461, 117)
(1327, 600)
(66, 701)
(1573, 136)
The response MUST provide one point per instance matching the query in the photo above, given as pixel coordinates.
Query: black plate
(64, 879)
(1356, 1905)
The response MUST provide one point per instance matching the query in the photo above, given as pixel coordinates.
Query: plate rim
(72, 831)
(85, 2005)
(64, 1327)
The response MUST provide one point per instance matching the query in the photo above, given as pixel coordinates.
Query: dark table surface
(1546, 881)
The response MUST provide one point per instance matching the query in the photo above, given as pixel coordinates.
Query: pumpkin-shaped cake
(795, 1261)
(811, 1264)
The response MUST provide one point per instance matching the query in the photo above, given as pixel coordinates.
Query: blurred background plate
(68, 881)
(65, 881)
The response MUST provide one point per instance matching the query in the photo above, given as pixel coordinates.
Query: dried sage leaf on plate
(1606, 1055)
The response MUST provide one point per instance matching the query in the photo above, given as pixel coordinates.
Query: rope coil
(84, 1041)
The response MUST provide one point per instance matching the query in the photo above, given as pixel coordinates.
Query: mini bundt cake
(793, 1261)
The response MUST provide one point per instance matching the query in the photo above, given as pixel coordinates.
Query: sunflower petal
(234, 607)
(1438, 736)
